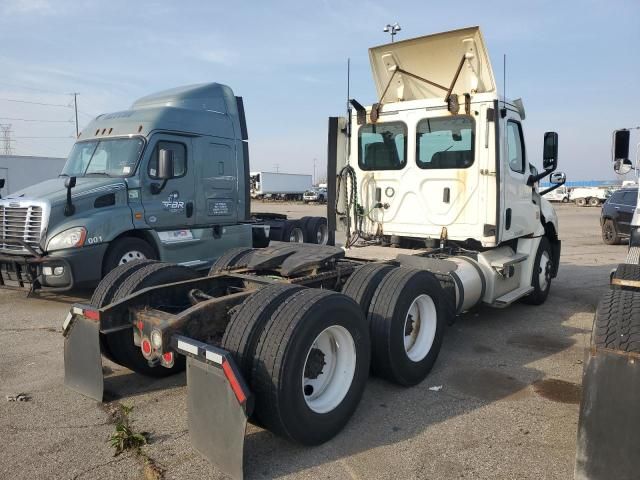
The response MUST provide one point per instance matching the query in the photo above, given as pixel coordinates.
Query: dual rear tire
(121, 282)
(305, 355)
(407, 312)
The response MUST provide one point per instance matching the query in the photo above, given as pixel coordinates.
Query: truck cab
(166, 177)
(441, 159)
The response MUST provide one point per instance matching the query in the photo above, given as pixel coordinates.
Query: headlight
(74, 237)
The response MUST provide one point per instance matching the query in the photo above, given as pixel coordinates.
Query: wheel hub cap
(420, 327)
(329, 368)
(131, 256)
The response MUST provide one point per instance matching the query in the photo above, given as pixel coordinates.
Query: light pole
(392, 29)
(314, 171)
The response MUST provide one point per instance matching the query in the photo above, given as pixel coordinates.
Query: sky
(575, 64)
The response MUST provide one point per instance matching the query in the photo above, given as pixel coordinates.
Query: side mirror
(550, 151)
(622, 166)
(69, 182)
(69, 208)
(165, 164)
(621, 145)
(558, 178)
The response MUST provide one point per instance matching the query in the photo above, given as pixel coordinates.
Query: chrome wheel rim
(322, 235)
(296, 236)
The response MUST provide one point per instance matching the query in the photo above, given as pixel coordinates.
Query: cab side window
(179, 158)
(515, 147)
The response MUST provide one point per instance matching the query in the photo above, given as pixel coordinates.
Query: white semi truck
(286, 336)
(287, 186)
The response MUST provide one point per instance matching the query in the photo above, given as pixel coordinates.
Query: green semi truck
(165, 180)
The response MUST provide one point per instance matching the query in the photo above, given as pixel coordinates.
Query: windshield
(115, 157)
(445, 142)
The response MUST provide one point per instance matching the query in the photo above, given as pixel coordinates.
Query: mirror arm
(535, 178)
(156, 189)
(553, 187)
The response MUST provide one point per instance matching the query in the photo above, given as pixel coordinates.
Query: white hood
(435, 58)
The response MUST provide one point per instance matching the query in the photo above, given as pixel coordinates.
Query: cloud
(222, 57)
(23, 7)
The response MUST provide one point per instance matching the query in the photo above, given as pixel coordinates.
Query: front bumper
(58, 271)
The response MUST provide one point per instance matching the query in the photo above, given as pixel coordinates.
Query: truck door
(173, 207)
(518, 213)
(217, 185)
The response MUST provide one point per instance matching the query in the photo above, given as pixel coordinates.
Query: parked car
(616, 216)
(315, 195)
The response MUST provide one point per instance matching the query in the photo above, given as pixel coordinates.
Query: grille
(20, 223)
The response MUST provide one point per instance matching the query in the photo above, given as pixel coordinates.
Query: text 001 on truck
(167, 179)
(286, 335)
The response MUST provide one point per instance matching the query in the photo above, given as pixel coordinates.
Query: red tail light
(146, 347)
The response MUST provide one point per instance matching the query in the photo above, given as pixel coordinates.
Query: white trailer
(591, 196)
(288, 186)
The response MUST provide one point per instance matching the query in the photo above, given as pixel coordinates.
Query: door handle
(189, 209)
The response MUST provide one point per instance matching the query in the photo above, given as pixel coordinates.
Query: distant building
(21, 171)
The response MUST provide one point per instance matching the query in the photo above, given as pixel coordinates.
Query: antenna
(348, 81)
(504, 79)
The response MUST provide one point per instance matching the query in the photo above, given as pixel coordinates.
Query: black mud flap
(609, 426)
(219, 404)
(82, 357)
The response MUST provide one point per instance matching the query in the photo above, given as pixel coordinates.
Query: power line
(22, 87)
(35, 103)
(68, 136)
(35, 120)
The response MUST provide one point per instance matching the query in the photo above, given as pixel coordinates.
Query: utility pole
(75, 107)
(5, 130)
(277, 167)
(315, 180)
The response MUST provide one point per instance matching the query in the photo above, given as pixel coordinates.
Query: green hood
(55, 192)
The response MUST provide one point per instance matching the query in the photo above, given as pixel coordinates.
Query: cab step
(507, 261)
(508, 298)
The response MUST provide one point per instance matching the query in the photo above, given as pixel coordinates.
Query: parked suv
(315, 195)
(617, 213)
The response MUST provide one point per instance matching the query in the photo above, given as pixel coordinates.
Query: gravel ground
(508, 407)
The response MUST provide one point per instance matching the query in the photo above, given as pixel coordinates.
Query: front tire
(541, 277)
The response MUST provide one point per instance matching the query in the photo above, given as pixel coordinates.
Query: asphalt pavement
(507, 407)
